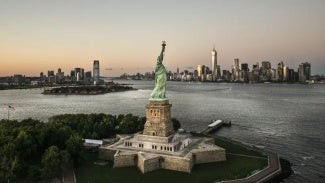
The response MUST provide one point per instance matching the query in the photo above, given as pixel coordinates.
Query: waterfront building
(214, 63)
(50, 73)
(202, 72)
(88, 77)
(218, 72)
(210, 77)
(256, 67)
(274, 75)
(285, 73)
(186, 76)
(292, 75)
(96, 72)
(280, 70)
(42, 77)
(78, 76)
(77, 72)
(226, 76)
(59, 76)
(50, 77)
(88, 74)
(235, 70)
(244, 67)
(266, 65)
(304, 72)
(244, 72)
(254, 75)
(82, 75)
(195, 75)
(19, 79)
(199, 70)
(72, 74)
(265, 72)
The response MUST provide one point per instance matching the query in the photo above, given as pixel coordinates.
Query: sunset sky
(126, 36)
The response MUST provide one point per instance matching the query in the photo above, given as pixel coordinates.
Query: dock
(216, 124)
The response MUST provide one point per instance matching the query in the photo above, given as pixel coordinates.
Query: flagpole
(8, 112)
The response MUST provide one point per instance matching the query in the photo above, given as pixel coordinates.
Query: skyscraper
(236, 64)
(199, 70)
(77, 73)
(304, 72)
(243, 76)
(96, 71)
(285, 73)
(235, 70)
(214, 62)
(266, 65)
(280, 70)
(50, 73)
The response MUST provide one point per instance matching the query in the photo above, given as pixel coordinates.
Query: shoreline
(87, 90)
(277, 174)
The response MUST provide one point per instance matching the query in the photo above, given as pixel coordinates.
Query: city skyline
(125, 36)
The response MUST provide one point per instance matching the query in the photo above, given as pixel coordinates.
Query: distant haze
(126, 36)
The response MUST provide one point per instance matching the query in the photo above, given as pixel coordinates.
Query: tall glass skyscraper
(214, 62)
(96, 72)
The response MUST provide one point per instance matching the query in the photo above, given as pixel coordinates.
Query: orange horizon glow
(38, 36)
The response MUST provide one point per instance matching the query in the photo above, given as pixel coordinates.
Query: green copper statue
(159, 92)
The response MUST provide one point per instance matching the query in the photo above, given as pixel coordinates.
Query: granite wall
(124, 160)
(147, 165)
(209, 156)
(106, 154)
(177, 163)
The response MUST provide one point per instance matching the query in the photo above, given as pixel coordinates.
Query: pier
(216, 124)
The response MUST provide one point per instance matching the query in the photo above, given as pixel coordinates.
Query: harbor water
(286, 118)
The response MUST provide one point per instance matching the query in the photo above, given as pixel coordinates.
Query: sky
(125, 36)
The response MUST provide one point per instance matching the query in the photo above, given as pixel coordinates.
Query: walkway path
(264, 175)
(273, 168)
(248, 156)
(69, 176)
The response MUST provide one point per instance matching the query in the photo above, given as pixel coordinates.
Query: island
(88, 89)
(27, 157)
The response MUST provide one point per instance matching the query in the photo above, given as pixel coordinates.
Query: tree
(176, 124)
(74, 146)
(25, 145)
(141, 122)
(53, 162)
(128, 124)
(106, 127)
(65, 159)
(8, 161)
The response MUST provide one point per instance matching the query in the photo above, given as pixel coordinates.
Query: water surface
(287, 118)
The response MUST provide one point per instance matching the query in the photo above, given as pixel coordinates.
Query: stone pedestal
(158, 119)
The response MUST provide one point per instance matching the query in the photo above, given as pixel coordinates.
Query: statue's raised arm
(161, 56)
(159, 92)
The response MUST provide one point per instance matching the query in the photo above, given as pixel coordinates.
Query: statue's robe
(159, 92)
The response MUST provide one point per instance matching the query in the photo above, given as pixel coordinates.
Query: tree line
(33, 150)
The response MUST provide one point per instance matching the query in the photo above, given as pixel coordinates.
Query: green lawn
(234, 167)
(237, 149)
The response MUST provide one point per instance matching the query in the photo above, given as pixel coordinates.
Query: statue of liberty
(159, 92)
